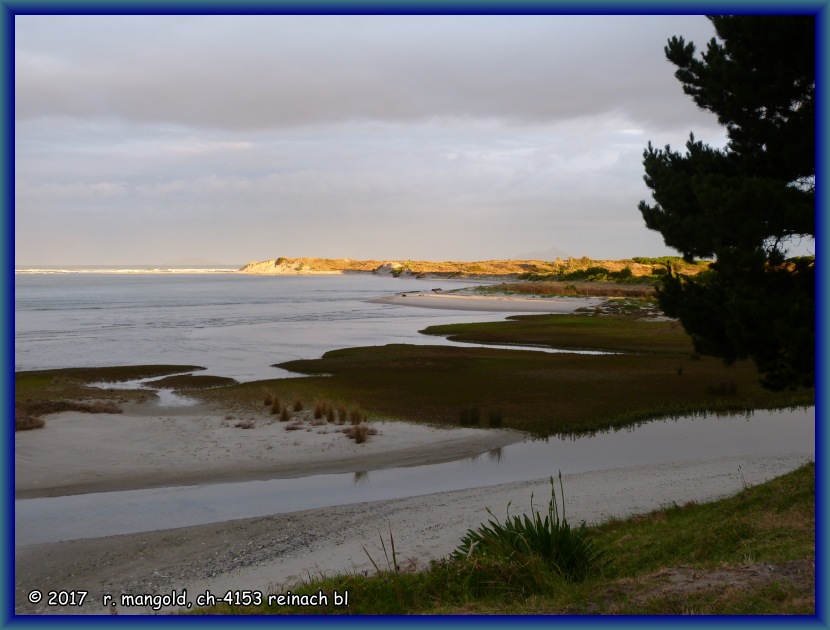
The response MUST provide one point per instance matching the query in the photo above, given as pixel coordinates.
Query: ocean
(234, 325)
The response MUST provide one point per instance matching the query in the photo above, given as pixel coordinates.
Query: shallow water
(235, 325)
(659, 442)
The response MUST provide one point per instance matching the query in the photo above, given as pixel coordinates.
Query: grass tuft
(524, 542)
(342, 414)
(359, 432)
(356, 415)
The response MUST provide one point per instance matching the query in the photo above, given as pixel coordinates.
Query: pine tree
(743, 205)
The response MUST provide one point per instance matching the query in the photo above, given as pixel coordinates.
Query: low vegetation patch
(574, 332)
(542, 393)
(570, 288)
(534, 545)
(29, 414)
(191, 381)
(359, 432)
(297, 417)
(42, 392)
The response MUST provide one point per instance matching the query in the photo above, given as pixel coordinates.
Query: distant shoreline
(125, 269)
(490, 269)
(497, 269)
(494, 303)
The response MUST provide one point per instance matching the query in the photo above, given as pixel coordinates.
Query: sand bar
(498, 304)
(149, 446)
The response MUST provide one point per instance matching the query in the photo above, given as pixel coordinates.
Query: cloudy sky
(152, 139)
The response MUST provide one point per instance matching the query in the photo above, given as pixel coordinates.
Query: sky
(230, 139)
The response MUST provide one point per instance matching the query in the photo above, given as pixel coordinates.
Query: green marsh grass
(575, 332)
(192, 381)
(542, 393)
(41, 392)
(641, 287)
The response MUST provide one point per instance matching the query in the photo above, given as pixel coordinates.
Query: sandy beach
(153, 446)
(494, 303)
(150, 446)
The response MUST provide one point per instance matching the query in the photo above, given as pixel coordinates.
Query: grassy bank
(751, 554)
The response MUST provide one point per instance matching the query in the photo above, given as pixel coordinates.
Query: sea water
(234, 325)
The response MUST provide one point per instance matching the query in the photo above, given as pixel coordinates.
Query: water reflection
(668, 417)
(704, 437)
(496, 454)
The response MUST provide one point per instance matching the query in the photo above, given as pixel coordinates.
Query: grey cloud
(275, 71)
(148, 138)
